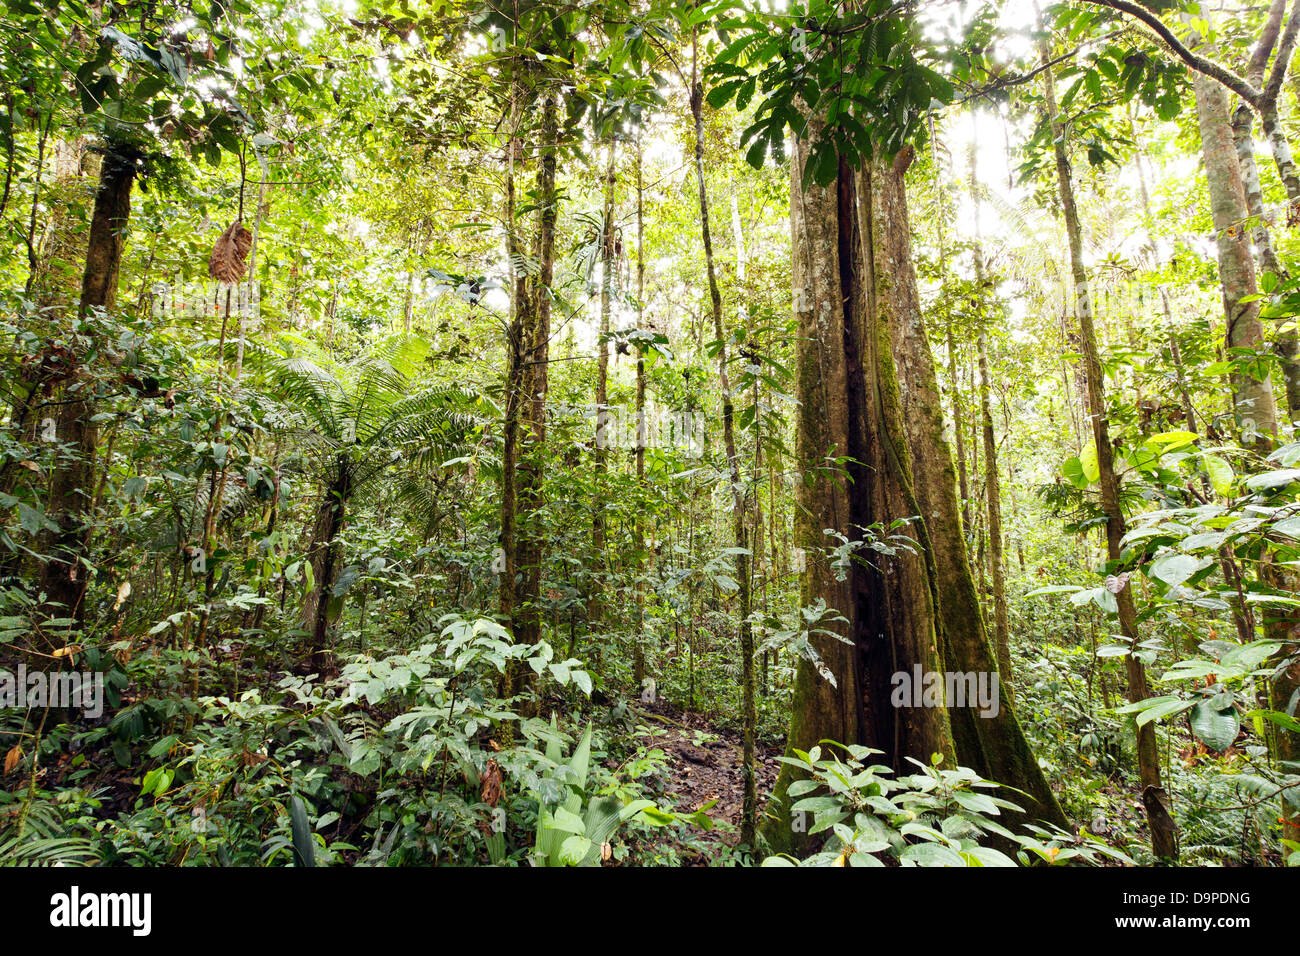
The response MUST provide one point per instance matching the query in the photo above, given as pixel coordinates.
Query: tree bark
(1253, 396)
(993, 746)
(64, 577)
(324, 556)
(530, 530)
(850, 408)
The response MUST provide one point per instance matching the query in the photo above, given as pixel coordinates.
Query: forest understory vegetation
(639, 433)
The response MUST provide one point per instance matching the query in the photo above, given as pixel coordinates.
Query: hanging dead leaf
(606, 851)
(69, 651)
(490, 792)
(12, 758)
(229, 259)
(123, 592)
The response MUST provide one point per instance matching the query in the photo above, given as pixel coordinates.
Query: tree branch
(1200, 64)
(1284, 50)
(1267, 40)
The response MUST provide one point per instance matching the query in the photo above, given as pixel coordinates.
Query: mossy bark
(856, 472)
(993, 746)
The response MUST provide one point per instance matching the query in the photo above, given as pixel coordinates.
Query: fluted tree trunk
(994, 746)
(850, 408)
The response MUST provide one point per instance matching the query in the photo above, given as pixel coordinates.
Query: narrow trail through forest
(704, 764)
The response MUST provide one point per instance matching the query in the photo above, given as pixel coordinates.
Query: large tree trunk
(850, 407)
(64, 578)
(1164, 840)
(993, 746)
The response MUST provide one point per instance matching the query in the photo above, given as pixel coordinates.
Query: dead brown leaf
(229, 259)
(490, 791)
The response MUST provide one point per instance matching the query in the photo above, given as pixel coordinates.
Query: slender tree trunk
(64, 577)
(530, 530)
(1175, 351)
(749, 721)
(639, 667)
(1164, 840)
(595, 609)
(993, 495)
(959, 431)
(992, 480)
(506, 562)
(1253, 395)
(1282, 156)
(1286, 343)
(324, 557)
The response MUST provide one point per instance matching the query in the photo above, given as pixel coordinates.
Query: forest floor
(704, 764)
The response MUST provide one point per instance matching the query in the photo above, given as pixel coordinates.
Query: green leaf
(1088, 462)
(568, 821)
(574, 850)
(304, 850)
(1217, 729)
(1277, 478)
(1221, 474)
(1073, 472)
(1176, 568)
(30, 519)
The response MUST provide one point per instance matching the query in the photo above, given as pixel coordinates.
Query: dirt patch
(705, 765)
